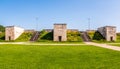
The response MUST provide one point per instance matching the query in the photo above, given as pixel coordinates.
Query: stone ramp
(85, 37)
(35, 36)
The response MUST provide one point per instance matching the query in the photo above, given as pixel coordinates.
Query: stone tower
(13, 32)
(109, 32)
(60, 31)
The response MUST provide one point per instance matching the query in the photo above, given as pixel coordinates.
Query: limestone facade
(13, 32)
(109, 32)
(60, 32)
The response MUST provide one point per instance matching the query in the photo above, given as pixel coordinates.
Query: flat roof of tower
(111, 26)
(108, 26)
(13, 26)
(60, 24)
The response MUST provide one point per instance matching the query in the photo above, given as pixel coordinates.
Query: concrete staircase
(35, 36)
(85, 37)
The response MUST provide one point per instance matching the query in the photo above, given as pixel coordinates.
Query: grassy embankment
(2, 36)
(24, 37)
(72, 36)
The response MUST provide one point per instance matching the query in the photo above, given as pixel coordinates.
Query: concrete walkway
(42, 44)
(62, 44)
(104, 46)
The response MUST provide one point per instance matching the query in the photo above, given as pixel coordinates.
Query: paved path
(104, 46)
(41, 44)
(62, 44)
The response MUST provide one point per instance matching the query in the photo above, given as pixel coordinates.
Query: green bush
(73, 36)
(98, 36)
(26, 36)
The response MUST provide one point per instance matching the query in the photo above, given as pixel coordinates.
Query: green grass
(45, 36)
(91, 34)
(57, 57)
(26, 36)
(118, 37)
(2, 36)
(74, 36)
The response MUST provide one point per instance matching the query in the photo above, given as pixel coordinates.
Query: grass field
(57, 57)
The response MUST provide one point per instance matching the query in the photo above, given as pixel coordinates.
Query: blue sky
(75, 13)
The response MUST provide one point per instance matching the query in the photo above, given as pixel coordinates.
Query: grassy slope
(48, 36)
(74, 36)
(118, 37)
(45, 36)
(91, 34)
(25, 36)
(2, 36)
(57, 57)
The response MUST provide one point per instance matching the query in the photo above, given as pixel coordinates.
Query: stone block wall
(109, 32)
(13, 32)
(60, 32)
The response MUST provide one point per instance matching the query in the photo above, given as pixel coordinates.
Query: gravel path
(104, 46)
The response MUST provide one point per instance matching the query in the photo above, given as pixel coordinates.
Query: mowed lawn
(58, 57)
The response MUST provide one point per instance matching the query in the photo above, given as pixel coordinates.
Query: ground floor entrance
(60, 38)
(111, 38)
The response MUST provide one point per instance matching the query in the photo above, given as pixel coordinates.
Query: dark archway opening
(9, 38)
(111, 38)
(60, 38)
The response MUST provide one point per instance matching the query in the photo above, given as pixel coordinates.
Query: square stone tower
(13, 32)
(60, 31)
(109, 32)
